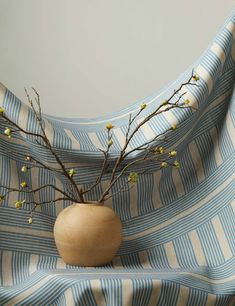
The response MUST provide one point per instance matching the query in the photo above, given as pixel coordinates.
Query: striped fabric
(178, 224)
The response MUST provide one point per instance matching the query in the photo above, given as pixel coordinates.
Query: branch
(12, 189)
(123, 153)
(47, 142)
(105, 152)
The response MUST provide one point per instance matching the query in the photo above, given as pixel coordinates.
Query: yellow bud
(195, 77)
(110, 142)
(165, 102)
(71, 172)
(23, 184)
(133, 177)
(164, 164)
(161, 150)
(2, 110)
(18, 204)
(172, 153)
(143, 105)
(109, 126)
(8, 132)
(176, 164)
(187, 101)
(30, 220)
(24, 169)
(174, 126)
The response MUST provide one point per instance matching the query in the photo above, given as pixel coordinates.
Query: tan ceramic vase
(87, 234)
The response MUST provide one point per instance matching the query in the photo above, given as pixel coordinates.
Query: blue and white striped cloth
(178, 225)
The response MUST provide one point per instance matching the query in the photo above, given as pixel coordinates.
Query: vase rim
(90, 203)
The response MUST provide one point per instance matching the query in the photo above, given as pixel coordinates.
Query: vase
(87, 234)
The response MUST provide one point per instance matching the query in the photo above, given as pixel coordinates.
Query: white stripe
(134, 200)
(58, 205)
(217, 154)
(68, 294)
(231, 27)
(2, 93)
(127, 289)
(171, 255)
(121, 138)
(7, 268)
(183, 214)
(189, 95)
(33, 263)
(217, 50)
(14, 183)
(104, 186)
(170, 117)
(177, 182)
(146, 130)
(144, 260)
(34, 185)
(60, 264)
(117, 262)
(49, 131)
(233, 51)
(230, 128)
(205, 75)
(211, 299)
(233, 206)
(221, 237)
(22, 122)
(197, 248)
(183, 296)
(74, 142)
(95, 140)
(97, 292)
(156, 189)
(156, 292)
(197, 160)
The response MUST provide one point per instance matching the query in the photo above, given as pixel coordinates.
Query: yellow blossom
(133, 177)
(143, 105)
(165, 102)
(195, 77)
(18, 204)
(174, 126)
(8, 132)
(176, 164)
(30, 220)
(172, 153)
(164, 164)
(2, 110)
(110, 142)
(187, 101)
(23, 184)
(24, 169)
(159, 150)
(109, 126)
(71, 172)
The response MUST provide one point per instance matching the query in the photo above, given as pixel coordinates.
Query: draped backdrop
(178, 224)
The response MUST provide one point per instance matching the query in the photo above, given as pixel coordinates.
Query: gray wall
(90, 57)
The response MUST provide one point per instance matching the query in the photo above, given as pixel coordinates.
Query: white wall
(90, 57)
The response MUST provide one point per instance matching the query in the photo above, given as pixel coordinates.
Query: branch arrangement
(121, 167)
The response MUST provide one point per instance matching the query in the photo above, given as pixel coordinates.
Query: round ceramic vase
(87, 234)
